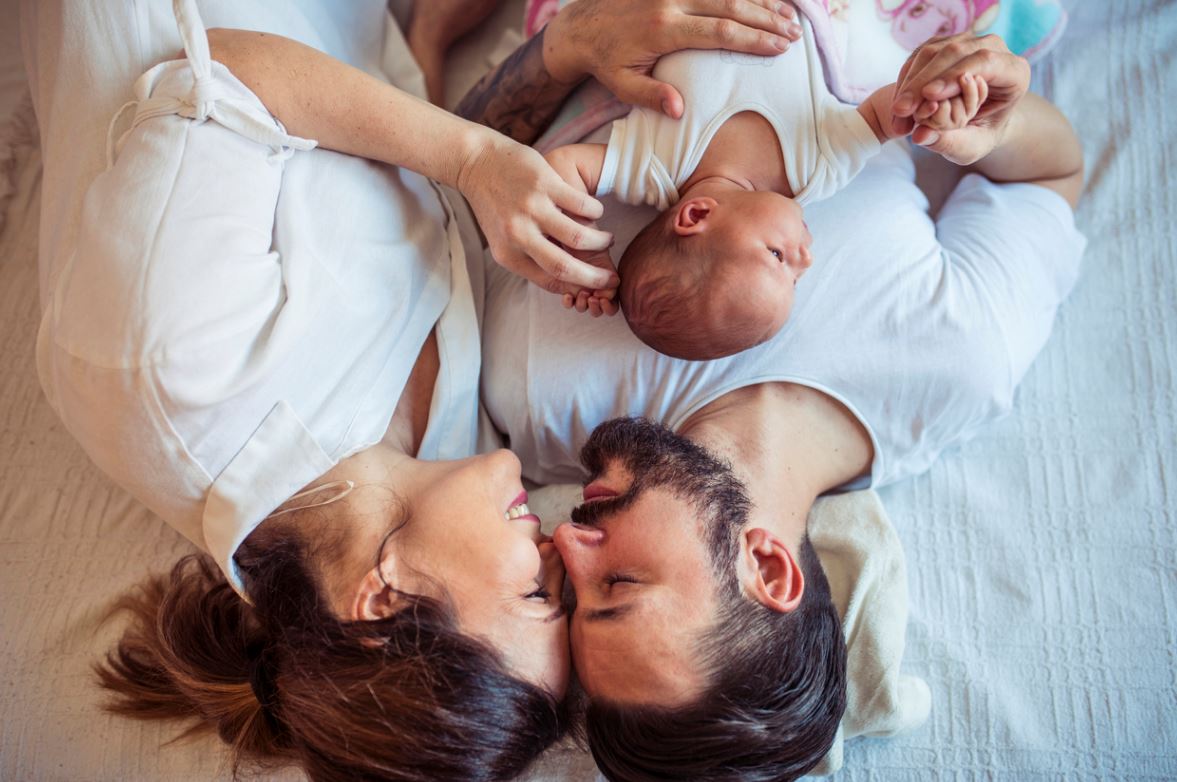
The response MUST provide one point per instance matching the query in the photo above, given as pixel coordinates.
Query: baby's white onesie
(824, 142)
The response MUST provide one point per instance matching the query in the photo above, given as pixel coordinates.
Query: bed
(1042, 556)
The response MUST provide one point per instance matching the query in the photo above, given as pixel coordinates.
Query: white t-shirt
(229, 325)
(824, 142)
(921, 329)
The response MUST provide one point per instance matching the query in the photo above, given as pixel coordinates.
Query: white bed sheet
(1042, 556)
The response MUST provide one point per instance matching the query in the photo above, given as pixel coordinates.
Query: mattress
(1042, 556)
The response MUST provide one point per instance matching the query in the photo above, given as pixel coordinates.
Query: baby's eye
(618, 578)
(775, 253)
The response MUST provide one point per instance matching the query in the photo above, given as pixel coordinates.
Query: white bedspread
(1042, 556)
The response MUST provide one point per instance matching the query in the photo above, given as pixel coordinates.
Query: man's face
(645, 555)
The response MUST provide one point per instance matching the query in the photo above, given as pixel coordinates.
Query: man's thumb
(651, 94)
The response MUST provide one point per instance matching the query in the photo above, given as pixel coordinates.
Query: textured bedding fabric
(1042, 557)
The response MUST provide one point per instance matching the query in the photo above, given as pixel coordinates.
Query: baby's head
(711, 277)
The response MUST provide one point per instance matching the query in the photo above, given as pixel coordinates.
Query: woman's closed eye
(619, 578)
(539, 593)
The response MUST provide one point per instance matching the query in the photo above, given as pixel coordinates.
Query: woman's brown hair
(285, 681)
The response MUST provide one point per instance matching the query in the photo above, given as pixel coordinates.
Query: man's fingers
(776, 19)
(993, 67)
(707, 32)
(647, 92)
(907, 100)
(574, 235)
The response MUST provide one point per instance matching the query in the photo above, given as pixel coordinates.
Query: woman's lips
(522, 498)
(597, 491)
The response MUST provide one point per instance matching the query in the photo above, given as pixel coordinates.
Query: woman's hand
(932, 74)
(520, 203)
(619, 41)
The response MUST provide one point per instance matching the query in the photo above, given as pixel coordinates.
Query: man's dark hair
(776, 682)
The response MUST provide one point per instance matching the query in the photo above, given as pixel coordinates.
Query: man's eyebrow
(607, 614)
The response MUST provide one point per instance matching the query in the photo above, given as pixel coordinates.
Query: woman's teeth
(515, 511)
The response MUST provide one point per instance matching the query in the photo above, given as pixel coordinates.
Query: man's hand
(526, 211)
(933, 74)
(955, 112)
(619, 41)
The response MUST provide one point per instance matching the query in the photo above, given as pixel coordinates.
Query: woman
(276, 350)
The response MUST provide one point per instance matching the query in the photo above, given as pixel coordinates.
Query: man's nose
(578, 547)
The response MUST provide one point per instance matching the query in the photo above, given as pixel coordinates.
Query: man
(703, 633)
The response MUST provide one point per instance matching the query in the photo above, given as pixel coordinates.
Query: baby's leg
(958, 111)
(435, 26)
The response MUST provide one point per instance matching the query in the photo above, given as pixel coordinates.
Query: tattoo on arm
(519, 98)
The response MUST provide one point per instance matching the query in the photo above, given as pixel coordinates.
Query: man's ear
(768, 572)
(691, 215)
(374, 598)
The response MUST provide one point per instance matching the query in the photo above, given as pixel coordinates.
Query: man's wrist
(560, 56)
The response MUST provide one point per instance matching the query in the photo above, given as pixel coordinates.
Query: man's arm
(618, 42)
(1015, 137)
(519, 98)
(1039, 147)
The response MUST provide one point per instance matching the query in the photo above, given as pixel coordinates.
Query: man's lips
(597, 491)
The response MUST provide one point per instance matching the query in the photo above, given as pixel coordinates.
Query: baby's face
(767, 249)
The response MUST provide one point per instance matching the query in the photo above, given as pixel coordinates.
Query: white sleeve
(846, 142)
(1019, 244)
(631, 172)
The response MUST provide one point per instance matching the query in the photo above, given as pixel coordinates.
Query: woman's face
(470, 536)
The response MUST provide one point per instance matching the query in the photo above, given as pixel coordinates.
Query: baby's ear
(691, 215)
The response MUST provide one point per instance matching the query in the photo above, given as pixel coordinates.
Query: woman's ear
(374, 599)
(768, 572)
(691, 215)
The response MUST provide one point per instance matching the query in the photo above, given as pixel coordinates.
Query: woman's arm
(1016, 137)
(618, 42)
(518, 199)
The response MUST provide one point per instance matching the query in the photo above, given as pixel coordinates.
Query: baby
(714, 273)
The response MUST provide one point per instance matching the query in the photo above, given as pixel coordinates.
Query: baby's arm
(580, 166)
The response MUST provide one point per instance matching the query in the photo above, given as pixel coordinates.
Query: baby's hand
(956, 112)
(595, 302)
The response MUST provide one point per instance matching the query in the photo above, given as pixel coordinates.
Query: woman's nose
(578, 547)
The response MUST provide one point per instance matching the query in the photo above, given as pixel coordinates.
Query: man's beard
(656, 457)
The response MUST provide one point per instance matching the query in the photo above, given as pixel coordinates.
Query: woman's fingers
(563, 271)
(573, 201)
(574, 235)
